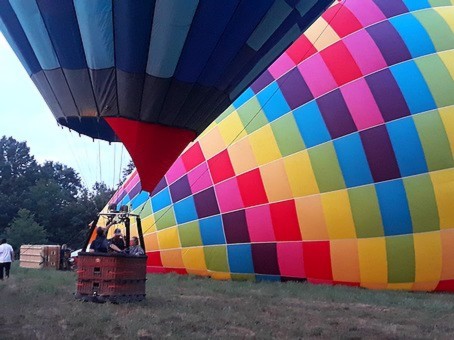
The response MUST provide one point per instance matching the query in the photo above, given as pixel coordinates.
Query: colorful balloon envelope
(335, 166)
(153, 74)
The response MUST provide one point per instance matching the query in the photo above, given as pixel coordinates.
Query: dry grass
(39, 305)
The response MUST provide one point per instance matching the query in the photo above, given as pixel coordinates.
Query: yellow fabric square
(151, 242)
(373, 263)
(427, 256)
(212, 143)
(264, 145)
(448, 59)
(208, 129)
(134, 231)
(400, 286)
(447, 13)
(172, 258)
(447, 116)
(338, 215)
(311, 218)
(443, 183)
(242, 157)
(321, 35)
(220, 276)
(447, 240)
(424, 286)
(168, 238)
(345, 260)
(275, 181)
(148, 224)
(231, 128)
(194, 258)
(300, 174)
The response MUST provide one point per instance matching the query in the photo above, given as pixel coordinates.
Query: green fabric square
(422, 203)
(287, 135)
(190, 234)
(401, 259)
(216, 258)
(366, 211)
(252, 116)
(165, 218)
(144, 211)
(438, 79)
(434, 140)
(438, 29)
(326, 167)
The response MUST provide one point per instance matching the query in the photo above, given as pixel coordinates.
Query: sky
(25, 116)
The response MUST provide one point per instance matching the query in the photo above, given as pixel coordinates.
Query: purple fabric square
(135, 190)
(294, 89)
(263, 81)
(391, 8)
(180, 189)
(161, 185)
(389, 42)
(264, 256)
(336, 114)
(380, 154)
(388, 96)
(121, 196)
(235, 227)
(206, 203)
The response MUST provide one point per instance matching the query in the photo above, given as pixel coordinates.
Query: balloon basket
(111, 278)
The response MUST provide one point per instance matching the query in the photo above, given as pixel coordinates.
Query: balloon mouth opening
(93, 127)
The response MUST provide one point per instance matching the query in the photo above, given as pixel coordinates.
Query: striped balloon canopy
(151, 73)
(335, 166)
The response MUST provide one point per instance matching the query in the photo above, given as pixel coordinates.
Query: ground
(39, 304)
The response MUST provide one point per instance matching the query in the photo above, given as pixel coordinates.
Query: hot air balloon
(153, 74)
(335, 166)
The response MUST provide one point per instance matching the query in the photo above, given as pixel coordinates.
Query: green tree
(127, 170)
(25, 230)
(18, 171)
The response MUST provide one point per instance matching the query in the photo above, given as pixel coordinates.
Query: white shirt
(6, 253)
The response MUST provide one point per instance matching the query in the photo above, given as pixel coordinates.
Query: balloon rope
(114, 164)
(99, 161)
(253, 117)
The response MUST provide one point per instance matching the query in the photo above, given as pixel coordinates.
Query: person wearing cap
(117, 243)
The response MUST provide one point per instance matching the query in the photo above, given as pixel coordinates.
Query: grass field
(39, 304)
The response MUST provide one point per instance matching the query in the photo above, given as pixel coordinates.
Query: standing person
(6, 257)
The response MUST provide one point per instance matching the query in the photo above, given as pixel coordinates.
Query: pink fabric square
(132, 183)
(365, 52)
(228, 195)
(199, 178)
(259, 224)
(282, 65)
(317, 75)
(361, 104)
(366, 11)
(176, 171)
(290, 259)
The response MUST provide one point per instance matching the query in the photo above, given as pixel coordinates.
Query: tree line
(45, 203)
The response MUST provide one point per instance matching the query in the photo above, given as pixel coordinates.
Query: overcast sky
(25, 116)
